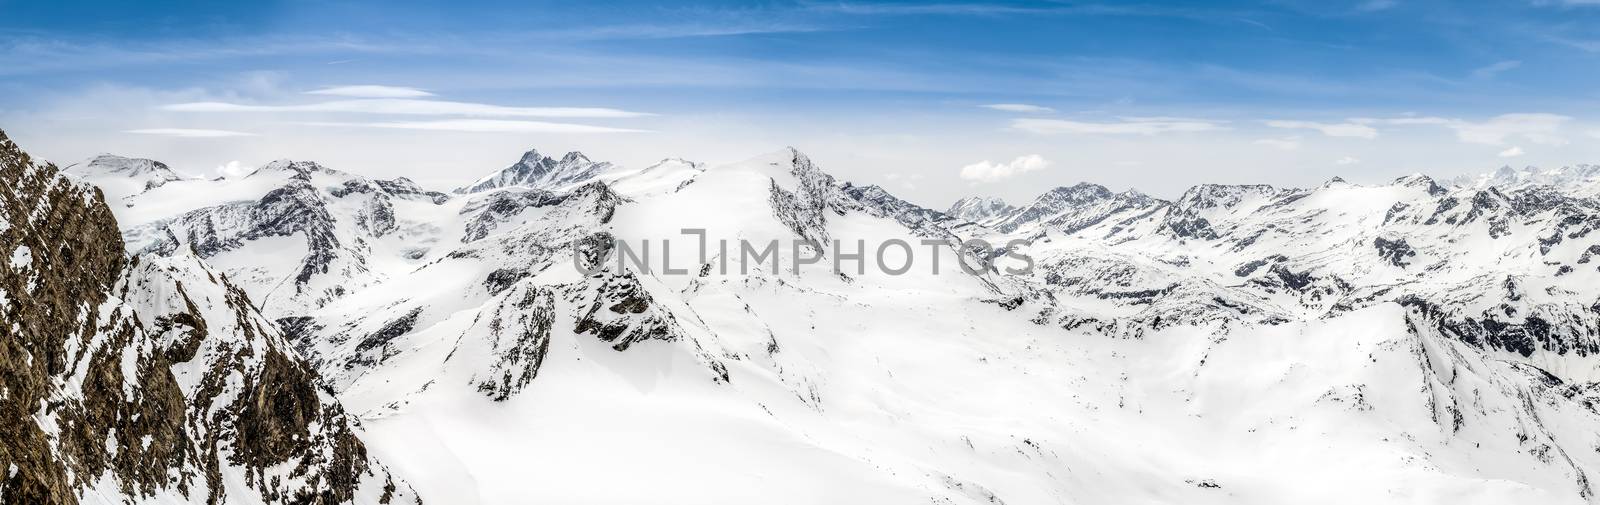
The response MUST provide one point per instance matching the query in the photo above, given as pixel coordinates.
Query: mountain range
(1408, 341)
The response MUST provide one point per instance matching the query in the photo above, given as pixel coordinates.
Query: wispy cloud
(1347, 160)
(371, 91)
(1329, 129)
(1495, 69)
(484, 126)
(402, 106)
(1126, 126)
(1536, 127)
(1513, 152)
(189, 132)
(987, 171)
(1019, 107)
(1289, 143)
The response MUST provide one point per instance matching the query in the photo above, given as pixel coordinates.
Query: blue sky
(933, 100)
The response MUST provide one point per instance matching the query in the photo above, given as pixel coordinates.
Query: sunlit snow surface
(922, 388)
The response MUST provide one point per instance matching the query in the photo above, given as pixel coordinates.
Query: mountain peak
(575, 157)
(1075, 195)
(297, 169)
(979, 208)
(536, 170)
(120, 176)
(111, 164)
(531, 157)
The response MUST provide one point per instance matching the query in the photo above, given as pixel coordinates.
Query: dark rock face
(74, 256)
(1396, 252)
(92, 395)
(622, 314)
(805, 209)
(519, 331)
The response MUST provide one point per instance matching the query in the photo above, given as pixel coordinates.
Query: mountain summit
(538, 171)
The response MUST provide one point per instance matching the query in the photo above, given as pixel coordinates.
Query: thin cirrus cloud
(1289, 143)
(1494, 69)
(371, 91)
(1019, 107)
(1513, 152)
(190, 132)
(1537, 127)
(1125, 126)
(404, 106)
(987, 171)
(1329, 129)
(484, 126)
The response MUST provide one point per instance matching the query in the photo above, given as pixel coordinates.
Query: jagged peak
(575, 157)
(531, 156)
(536, 169)
(977, 208)
(1077, 194)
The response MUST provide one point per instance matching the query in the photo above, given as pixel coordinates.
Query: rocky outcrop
(151, 379)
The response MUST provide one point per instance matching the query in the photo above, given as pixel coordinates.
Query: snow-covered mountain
(123, 177)
(151, 379)
(979, 209)
(535, 170)
(1241, 344)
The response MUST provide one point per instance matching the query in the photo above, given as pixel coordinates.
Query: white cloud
(986, 171)
(1351, 129)
(411, 107)
(1127, 126)
(1019, 107)
(486, 126)
(1513, 152)
(371, 91)
(1289, 143)
(1347, 160)
(1494, 69)
(190, 132)
(232, 169)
